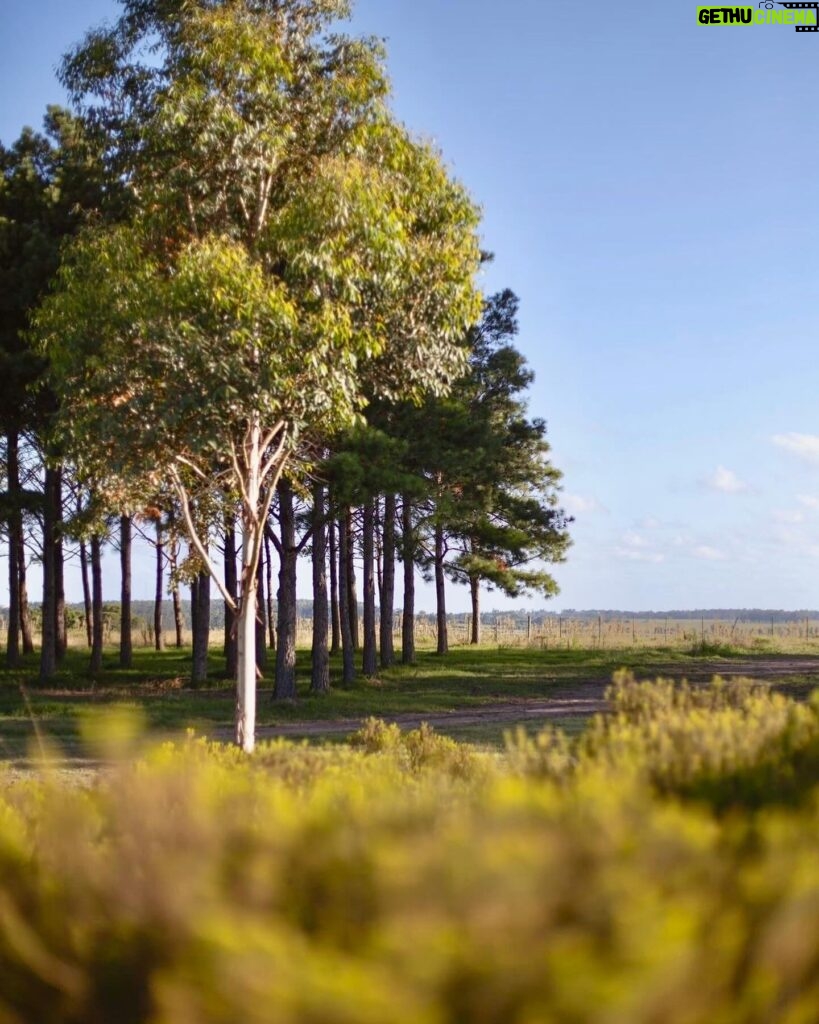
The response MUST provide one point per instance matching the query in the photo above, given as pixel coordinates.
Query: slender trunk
(48, 650)
(177, 603)
(388, 583)
(440, 589)
(159, 633)
(351, 581)
(232, 587)
(60, 623)
(96, 605)
(408, 621)
(475, 592)
(370, 655)
(320, 659)
(285, 687)
(15, 531)
(126, 648)
(347, 648)
(201, 632)
(335, 621)
(86, 591)
(252, 540)
(271, 611)
(26, 628)
(261, 617)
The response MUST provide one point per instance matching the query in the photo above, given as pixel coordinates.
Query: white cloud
(809, 501)
(635, 548)
(709, 554)
(804, 446)
(725, 481)
(793, 517)
(578, 505)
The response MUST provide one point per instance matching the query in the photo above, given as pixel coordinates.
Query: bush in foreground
(410, 879)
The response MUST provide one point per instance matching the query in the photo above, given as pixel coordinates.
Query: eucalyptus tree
(287, 235)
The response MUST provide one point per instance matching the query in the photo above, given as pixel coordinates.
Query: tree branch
(201, 550)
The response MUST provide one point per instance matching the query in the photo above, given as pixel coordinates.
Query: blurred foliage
(663, 867)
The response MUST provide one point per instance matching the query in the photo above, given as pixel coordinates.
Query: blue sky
(649, 191)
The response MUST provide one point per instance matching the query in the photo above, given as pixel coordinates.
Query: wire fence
(548, 633)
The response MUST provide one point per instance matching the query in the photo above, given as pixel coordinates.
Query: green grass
(465, 679)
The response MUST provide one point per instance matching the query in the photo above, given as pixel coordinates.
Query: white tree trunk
(246, 674)
(252, 527)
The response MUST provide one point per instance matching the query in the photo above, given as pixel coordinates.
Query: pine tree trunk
(261, 617)
(178, 621)
(231, 647)
(48, 649)
(347, 648)
(60, 622)
(335, 620)
(440, 590)
(26, 628)
(475, 592)
(159, 632)
(351, 581)
(408, 621)
(271, 611)
(96, 605)
(370, 655)
(126, 647)
(285, 686)
(15, 532)
(388, 583)
(320, 658)
(86, 591)
(201, 632)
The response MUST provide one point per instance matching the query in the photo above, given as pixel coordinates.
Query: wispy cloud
(809, 502)
(725, 481)
(709, 554)
(804, 446)
(578, 505)
(635, 548)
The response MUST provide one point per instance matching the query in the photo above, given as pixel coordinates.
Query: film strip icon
(801, 7)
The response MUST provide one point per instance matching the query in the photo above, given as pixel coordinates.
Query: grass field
(475, 694)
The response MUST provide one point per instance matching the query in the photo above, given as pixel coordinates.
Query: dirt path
(572, 700)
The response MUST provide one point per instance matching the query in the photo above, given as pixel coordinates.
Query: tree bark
(25, 613)
(15, 532)
(271, 611)
(177, 603)
(159, 633)
(351, 581)
(475, 593)
(440, 590)
(320, 658)
(335, 620)
(126, 647)
(60, 623)
(96, 605)
(48, 649)
(86, 591)
(370, 654)
(347, 648)
(261, 617)
(232, 587)
(285, 685)
(408, 620)
(388, 583)
(201, 633)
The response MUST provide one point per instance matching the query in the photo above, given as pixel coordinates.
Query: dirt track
(575, 699)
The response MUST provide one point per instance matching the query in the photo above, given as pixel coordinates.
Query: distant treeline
(144, 610)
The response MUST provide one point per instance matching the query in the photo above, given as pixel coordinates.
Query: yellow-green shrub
(413, 885)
